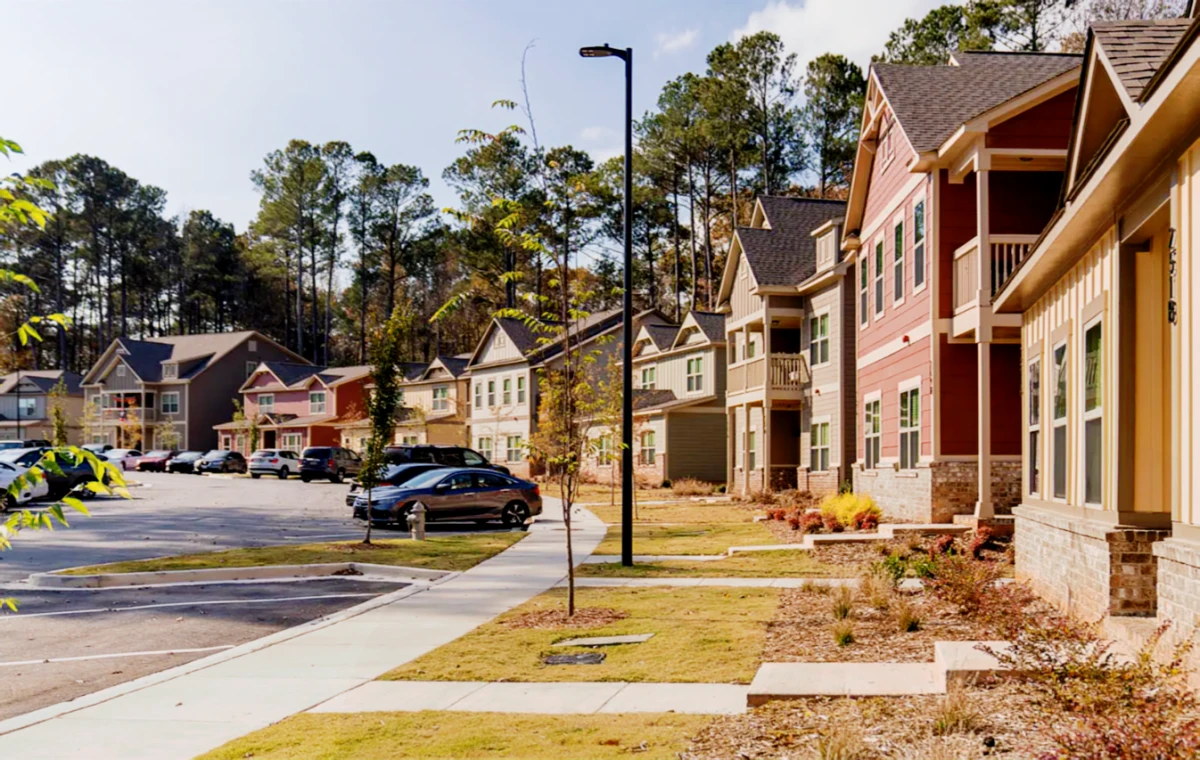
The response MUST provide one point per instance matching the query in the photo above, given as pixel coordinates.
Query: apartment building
(958, 169)
(788, 303)
(432, 408)
(25, 403)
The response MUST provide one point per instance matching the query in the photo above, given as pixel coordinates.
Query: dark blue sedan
(454, 494)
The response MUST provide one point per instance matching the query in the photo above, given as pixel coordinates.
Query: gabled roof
(786, 253)
(413, 370)
(145, 357)
(335, 376)
(663, 336)
(44, 379)
(536, 350)
(931, 102)
(711, 324)
(296, 376)
(290, 373)
(649, 399)
(455, 365)
(1136, 49)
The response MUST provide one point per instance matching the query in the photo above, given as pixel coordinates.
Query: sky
(190, 95)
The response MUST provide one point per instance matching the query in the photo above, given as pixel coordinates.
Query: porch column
(731, 433)
(981, 226)
(746, 449)
(766, 444)
(983, 507)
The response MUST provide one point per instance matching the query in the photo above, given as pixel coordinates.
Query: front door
(268, 439)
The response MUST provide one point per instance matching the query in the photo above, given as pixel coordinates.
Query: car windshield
(12, 455)
(265, 453)
(188, 455)
(216, 454)
(317, 453)
(159, 453)
(426, 479)
(118, 452)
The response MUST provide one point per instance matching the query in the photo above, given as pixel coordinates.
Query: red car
(154, 461)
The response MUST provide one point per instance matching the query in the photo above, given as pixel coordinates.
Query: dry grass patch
(686, 539)
(778, 564)
(466, 736)
(700, 635)
(435, 553)
(603, 492)
(685, 511)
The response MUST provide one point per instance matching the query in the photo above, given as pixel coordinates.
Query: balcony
(779, 375)
(978, 277)
(134, 414)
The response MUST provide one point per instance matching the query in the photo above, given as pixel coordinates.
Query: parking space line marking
(115, 654)
(205, 603)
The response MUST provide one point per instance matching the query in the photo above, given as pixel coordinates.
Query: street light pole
(625, 55)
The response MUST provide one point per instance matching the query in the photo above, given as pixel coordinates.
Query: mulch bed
(586, 617)
(802, 629)
(786, 534)
(893, 727)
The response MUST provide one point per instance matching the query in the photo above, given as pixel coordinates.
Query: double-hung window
(898, 263)
(818, 340)
(506, 391)
(879, 278)
(170, 403)
(695, 374)
(752, 449)
(478, 395)
(441, 398)
(316, 402)
(1093, 414)
(649, 378)
(520, 389)
(1060, 421)
(818, 459)
(513, 453)
(864, 290)
(649, 450)
(604, 450)
(1034, 382)
(918, 244)
(266, 402)
(484, 445)
(871, 433)
(491, 402)
(910, 428)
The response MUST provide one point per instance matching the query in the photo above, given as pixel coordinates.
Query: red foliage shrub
(943, 545)
(811, 522)
(831, 523)
(794, 520)
(776, 514)
(865, 520)
(983, 537)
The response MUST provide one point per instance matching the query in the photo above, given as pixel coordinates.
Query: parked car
(123, 458)
(98, 448)
(184, 461)
(219, 460)
(454, 494)
(28, 443)
(154, 461)
(23, 458)
(75, 471)
(276, 462)
(393, 475)
(450, 456)
(32, 490)
(332, 462)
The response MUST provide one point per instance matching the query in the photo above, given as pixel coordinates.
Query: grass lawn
(784, 564)
(601, 493)
(467, 736)
(680, 512)
(435, 553)
(700, 635)
(687, 539)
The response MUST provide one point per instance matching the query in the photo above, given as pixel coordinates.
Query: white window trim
(752, 448)
(642, 448)
(653, 371)
(868, 399)
(1031, 427)
(924, 243)
(824, 419)
(1055, 423)
(888, 148)
(816, 315)
(878, 285)
(485, 450)
(441, 404)
(120, 370)
(491, 393)
(506, 389)
(162, 401)
(266, 408)
(312, 404)
(902, 259)
(688, 375)
(479, 395)
(520, 389)
(509, 456)
(1086, 416)
(864, 289)
(907, 386)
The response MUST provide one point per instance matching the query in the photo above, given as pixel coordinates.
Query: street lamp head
(602, 51)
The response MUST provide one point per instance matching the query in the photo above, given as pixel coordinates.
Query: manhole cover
(586, 658)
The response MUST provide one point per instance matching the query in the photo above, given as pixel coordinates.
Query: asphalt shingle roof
(649, 399)
(662, 335)
(455, 365)
(712, 325)
(290, 373)
(931, 102)
(45, 379)
(786, 254)
(1136, 49)
(145, 357)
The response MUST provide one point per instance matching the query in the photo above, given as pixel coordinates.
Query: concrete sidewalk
(197, 707)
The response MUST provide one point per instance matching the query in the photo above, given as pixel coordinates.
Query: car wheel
(283, 473)
(337, 476)
(306, 477)
(256, 475)
(515, 514)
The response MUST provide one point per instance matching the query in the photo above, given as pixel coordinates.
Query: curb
(219, 574)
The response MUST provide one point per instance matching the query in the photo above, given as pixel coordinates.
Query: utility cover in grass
(606, 641)
(586, 658)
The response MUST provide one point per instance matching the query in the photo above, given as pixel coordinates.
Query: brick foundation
(740, 484)
(1088, 568)
(822, 483)
(939, 491)
(1179, 585)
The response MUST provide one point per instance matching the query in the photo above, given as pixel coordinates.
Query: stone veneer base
(1088, 568)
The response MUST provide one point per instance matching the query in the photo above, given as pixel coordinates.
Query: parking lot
(63, 644)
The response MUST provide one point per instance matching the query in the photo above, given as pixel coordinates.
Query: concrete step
(924, 529)
(963, 661)
(770, 548)
(797, 680)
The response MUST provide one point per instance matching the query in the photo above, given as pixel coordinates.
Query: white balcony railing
(1004, 254)
(789, 372)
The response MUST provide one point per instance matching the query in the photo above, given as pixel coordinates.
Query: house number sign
(1172, 271)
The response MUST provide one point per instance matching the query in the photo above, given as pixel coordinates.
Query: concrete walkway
(189, 710)
(543, 698)
(743, 582)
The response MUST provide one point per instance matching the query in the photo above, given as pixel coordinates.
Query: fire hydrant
(416, 521)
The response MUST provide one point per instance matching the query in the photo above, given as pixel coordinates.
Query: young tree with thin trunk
(383, 400)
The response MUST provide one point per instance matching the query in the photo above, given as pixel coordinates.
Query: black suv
(332, 462)
(450, 456)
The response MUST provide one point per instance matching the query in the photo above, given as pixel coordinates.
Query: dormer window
(501, 340)
(120, 370)
(170, 371)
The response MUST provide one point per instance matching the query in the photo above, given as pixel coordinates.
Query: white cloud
(673, 42)
(856, 29)
(595, 134)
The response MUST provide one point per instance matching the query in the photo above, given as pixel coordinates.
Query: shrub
(798, 500)
(689, 487)
(897, 567)
(943, 545)
(766, 498)
(794, 521)
(776, 514)
(875, 588)
(720, 488)
(955, 714)
(970, 585)
(1150, 733)
(847, 506)
(840, 742)
(831, 523)
(843, 633)
(907, 618)
(843, 603)
(865, 520)
(811, 522)
(812, 587)
(980, 541)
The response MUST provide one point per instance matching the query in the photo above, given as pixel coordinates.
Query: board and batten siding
(741, 302)
(696, 446)
(114, 381)
(1185, 337)
(1082, 294)
(499, 348)
(671, 371)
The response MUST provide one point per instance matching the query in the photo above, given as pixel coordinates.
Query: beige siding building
(26, 401)
(433, 407)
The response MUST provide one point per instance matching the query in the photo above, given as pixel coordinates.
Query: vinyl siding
(695, 446)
